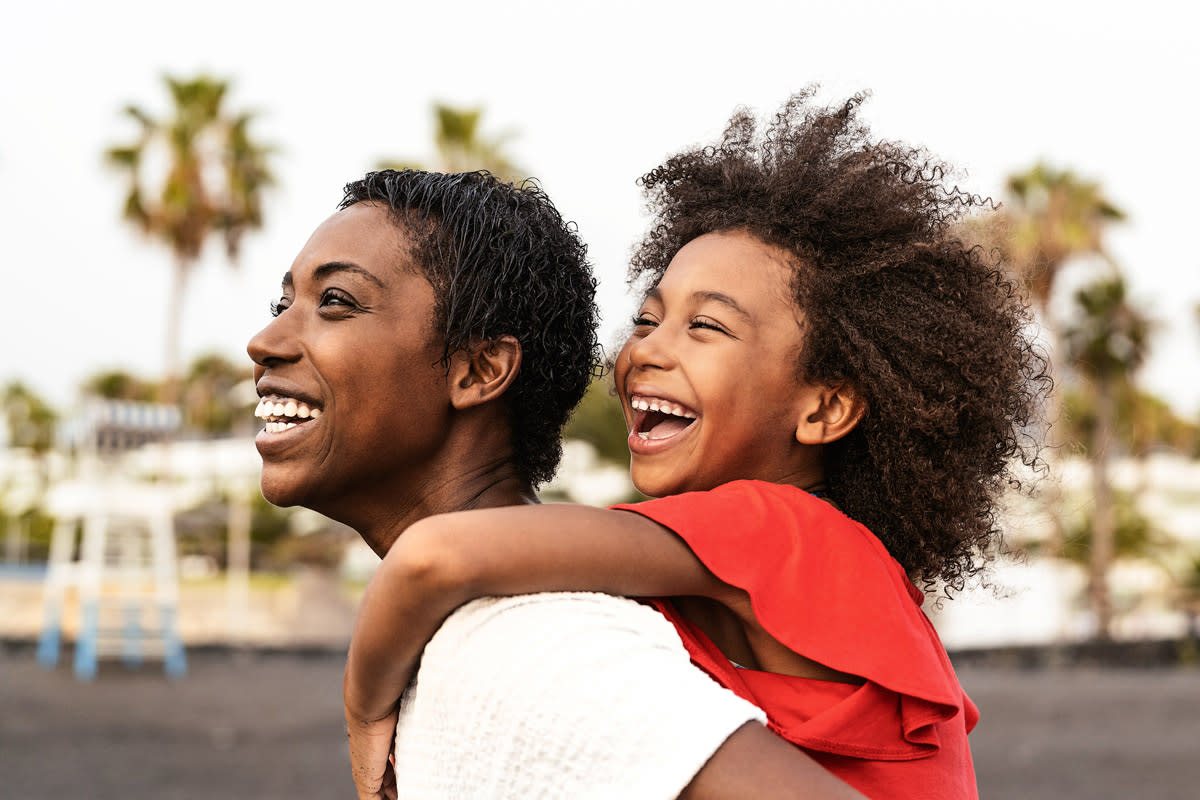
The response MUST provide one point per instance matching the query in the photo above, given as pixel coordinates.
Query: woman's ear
(827, 413)
(484, 371)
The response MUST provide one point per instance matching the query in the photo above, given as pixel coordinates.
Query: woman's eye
(332, 297)
(641, 321)
(279, 306)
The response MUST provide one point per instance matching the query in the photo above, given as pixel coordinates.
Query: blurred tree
(117, 384)
(598, 421)
(209, 401)
(29, 419)
(1106, 342)
(462, 147)
(1050, 217)
(1143, 422)
(213, 182)
(1188, 586)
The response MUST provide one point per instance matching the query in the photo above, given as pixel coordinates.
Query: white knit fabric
(559, 696)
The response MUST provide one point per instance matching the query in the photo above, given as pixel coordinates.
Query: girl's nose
(652, 350)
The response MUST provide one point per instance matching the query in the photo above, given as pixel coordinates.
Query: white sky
(598, 93)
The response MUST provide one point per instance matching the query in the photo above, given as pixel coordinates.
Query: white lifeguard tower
(114, 545)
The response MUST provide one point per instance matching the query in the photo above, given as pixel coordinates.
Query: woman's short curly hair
(502, 261)
(930, 333)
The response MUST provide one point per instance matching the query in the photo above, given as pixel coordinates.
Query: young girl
(825, 389)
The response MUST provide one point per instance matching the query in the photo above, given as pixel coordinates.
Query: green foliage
(461, 146)
(1109, 336)
(208, 392)
(209, 401)
(598, 421)
(30, 419)
(39, 527)
(1135, 536)
(201, 142)
(1053, 215)
(1143, 422)
(117, 384)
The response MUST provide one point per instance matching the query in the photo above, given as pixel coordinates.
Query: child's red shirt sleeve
(825, 587)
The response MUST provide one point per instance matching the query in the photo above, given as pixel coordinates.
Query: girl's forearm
(410, 595)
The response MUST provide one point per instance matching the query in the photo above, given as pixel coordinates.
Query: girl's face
(708, 380)
(353, 397)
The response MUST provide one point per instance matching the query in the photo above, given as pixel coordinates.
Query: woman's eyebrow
(334, 267)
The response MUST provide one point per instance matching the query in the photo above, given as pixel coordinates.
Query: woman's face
(354, 400)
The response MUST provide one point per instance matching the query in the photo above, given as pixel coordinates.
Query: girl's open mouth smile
(656, 421)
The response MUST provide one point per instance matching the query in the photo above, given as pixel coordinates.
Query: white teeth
(284, 407)
(662, 406)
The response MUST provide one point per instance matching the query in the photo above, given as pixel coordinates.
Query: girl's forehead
(733, 263)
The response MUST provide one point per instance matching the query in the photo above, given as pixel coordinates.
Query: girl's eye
(706, 324)
(279, 306)
(642, 321)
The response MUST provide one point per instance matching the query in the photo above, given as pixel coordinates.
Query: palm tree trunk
(1055, 442)
(1104, 511)
(171, 355)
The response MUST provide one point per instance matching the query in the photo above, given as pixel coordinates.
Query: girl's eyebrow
(723, 299)
(716, 297)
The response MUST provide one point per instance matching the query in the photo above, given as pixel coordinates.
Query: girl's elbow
(425, 559)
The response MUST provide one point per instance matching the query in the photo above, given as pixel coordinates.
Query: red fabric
(825, 587)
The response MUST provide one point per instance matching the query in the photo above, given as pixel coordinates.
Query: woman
(431, 339)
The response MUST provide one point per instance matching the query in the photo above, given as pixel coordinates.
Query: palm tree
(462, 147)
(213, 182)
(1052, 217)
(1106, 343)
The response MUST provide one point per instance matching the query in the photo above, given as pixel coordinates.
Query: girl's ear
(483, 372)
(827, 413)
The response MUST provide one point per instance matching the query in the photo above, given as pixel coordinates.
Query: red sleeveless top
(825, 587)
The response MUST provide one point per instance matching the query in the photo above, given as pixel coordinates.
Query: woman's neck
(485, 485)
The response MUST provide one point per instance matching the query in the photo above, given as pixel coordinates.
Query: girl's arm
(441, 562)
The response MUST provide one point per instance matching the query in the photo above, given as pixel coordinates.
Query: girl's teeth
(302, 411)
(289, 410)
(316, 412)
(277, 410)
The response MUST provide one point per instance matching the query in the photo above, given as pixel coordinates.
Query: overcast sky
(596, 93)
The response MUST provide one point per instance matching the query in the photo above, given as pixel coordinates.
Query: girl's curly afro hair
(934, 337)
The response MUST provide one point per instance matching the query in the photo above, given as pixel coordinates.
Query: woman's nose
(274, 344)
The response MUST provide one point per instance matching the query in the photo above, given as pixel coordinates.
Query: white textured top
(562, 695)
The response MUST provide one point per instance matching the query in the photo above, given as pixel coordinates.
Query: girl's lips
(660, 437)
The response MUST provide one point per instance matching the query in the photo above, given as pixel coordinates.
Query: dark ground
(268, 725)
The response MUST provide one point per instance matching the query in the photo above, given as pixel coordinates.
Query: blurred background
(164, 632)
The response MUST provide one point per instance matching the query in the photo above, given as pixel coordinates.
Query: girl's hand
(371, 759)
